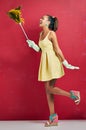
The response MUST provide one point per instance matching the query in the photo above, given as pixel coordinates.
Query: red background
(21, 95)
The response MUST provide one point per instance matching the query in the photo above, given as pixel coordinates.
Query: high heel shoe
(53, 120)
(75, 95)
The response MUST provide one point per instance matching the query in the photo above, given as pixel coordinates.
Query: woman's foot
(75, 95)
(53, 120)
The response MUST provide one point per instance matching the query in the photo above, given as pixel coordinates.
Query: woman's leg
(50, 96)
(75, 95)
(50, 89)
(53, 118)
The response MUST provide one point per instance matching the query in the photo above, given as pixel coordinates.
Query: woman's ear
(48, 22)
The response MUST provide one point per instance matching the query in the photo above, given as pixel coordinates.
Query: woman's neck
(45, 30)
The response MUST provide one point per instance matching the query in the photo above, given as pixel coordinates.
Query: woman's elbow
(57, 53)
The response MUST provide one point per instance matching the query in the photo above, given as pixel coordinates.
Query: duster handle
(23, 31)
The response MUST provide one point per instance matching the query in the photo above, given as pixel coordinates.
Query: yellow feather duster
(15, 14)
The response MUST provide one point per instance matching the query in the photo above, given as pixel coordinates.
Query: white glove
(33, 45)
(69, 66)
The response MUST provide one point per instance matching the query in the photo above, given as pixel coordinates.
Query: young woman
(51, 67)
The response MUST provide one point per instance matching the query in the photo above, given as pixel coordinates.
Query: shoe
(53, 120)
(75, 95)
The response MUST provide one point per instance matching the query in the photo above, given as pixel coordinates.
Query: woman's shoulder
(52, 34)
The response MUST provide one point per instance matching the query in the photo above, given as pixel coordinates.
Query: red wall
(21, 95)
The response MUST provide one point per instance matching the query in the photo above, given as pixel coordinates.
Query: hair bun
(53, 22)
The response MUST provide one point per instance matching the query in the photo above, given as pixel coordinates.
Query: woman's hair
(53, 23)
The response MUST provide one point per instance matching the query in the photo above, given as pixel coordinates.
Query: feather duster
(15, 14)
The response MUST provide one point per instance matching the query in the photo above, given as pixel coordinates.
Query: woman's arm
(56, 46)
(59, 52)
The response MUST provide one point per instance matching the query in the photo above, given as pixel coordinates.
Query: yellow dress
(50, 65)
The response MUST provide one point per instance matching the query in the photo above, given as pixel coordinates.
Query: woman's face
(44, 21)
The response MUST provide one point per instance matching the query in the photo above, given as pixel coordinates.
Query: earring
(46, 25)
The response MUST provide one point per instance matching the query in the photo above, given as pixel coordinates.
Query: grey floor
(39, 125)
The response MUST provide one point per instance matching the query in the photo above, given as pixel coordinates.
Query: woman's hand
(33, 45)
(69, 66)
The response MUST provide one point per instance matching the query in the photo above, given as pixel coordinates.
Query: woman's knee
(48, 90)
(47, 87)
